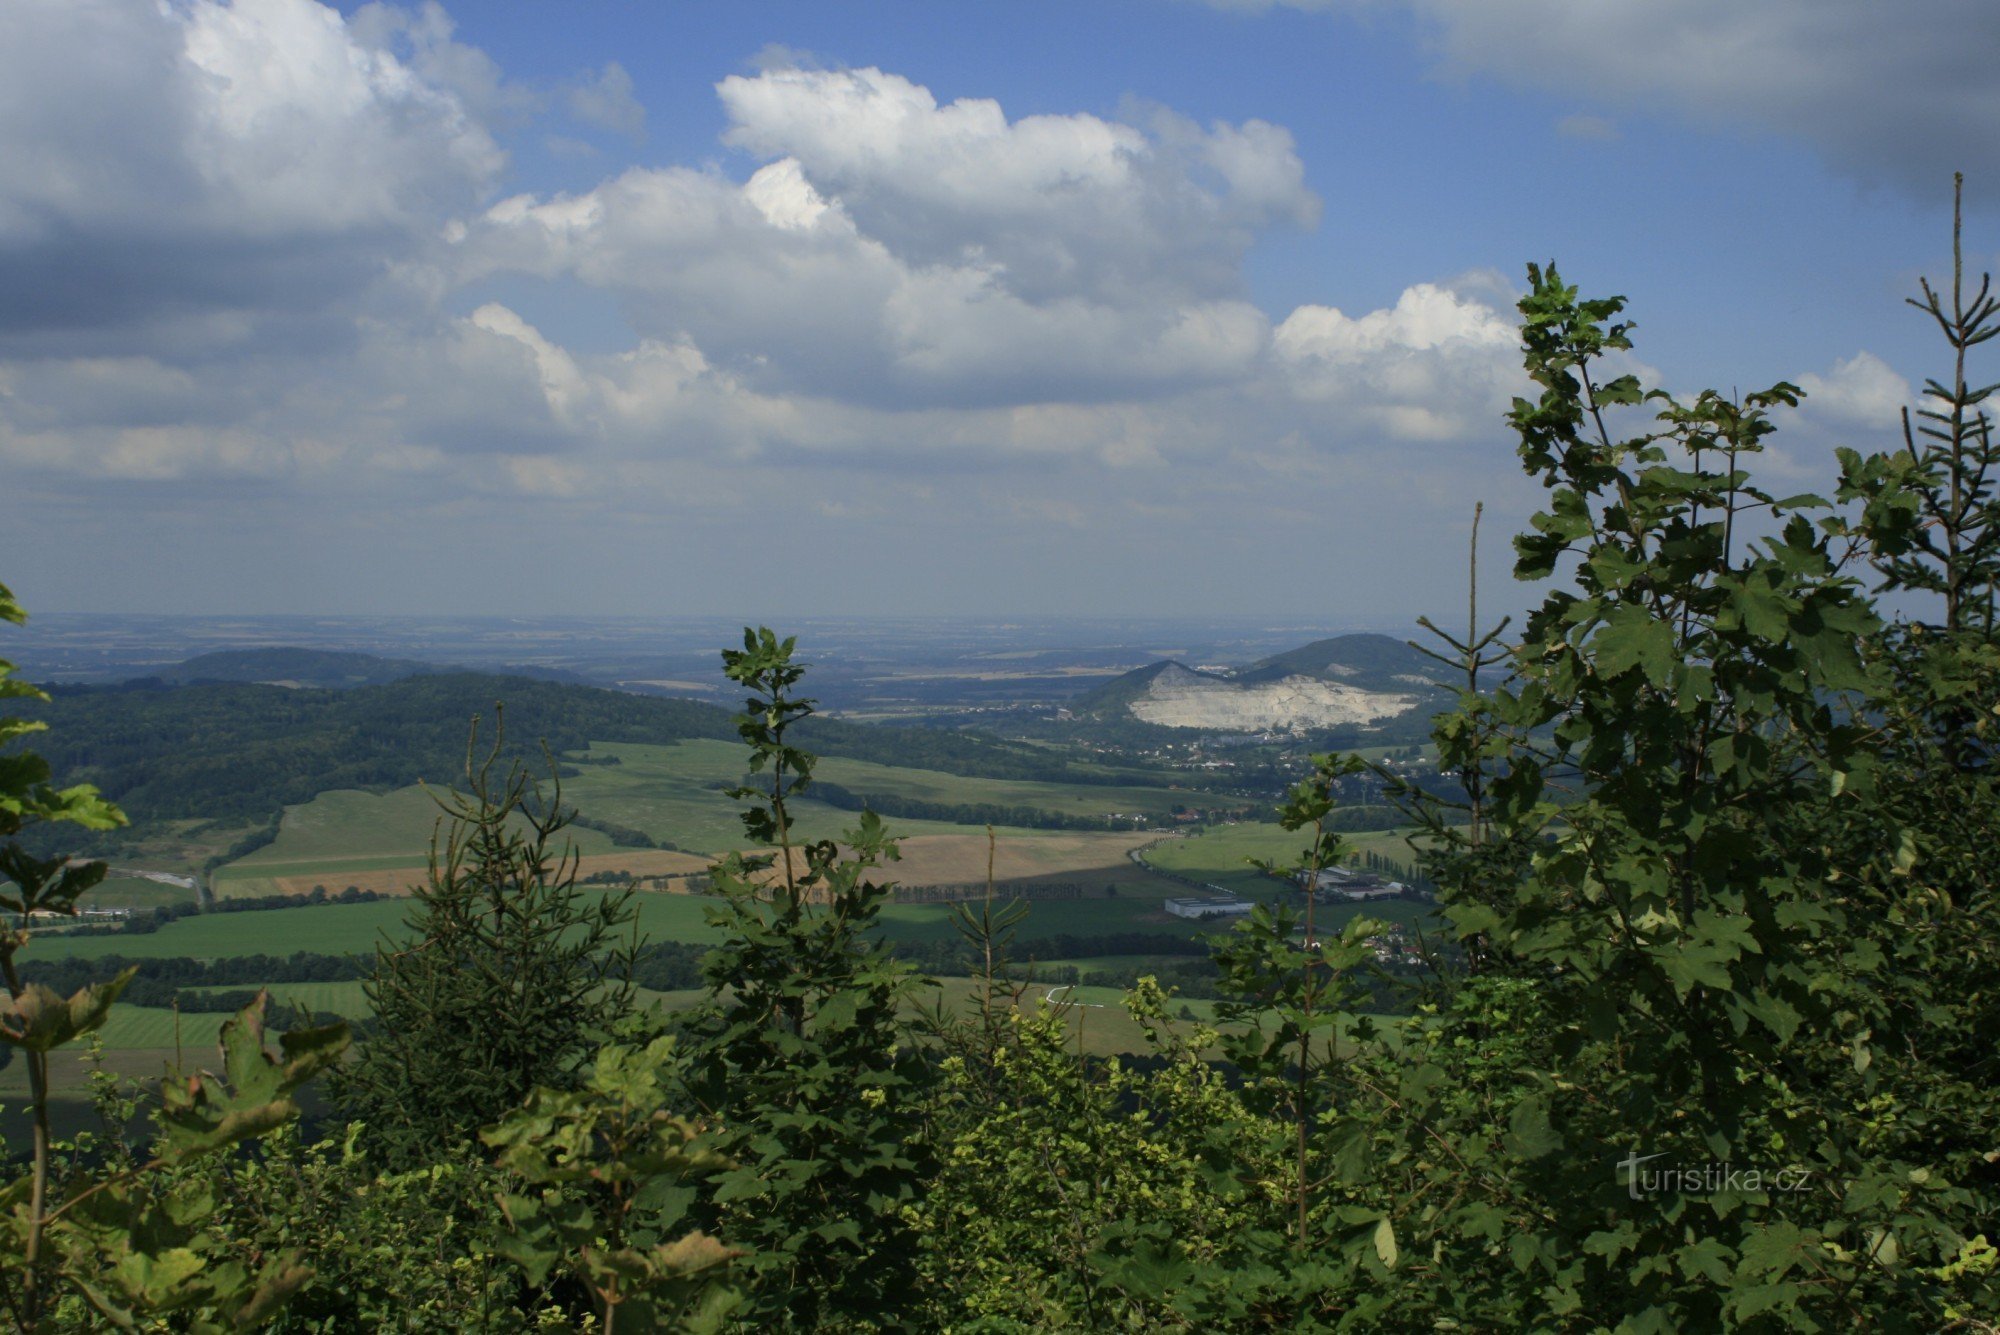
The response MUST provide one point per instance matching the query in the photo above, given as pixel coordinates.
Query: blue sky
(1146, 306)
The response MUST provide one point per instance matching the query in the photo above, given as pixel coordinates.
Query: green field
(340, 929)
(668, 792)
(671, 793)
(1221, 854)
(325, 929)
(1066, 799)
(134, 892)
(153, 1027)
(350, 830)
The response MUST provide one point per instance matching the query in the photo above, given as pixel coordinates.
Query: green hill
(243, 751)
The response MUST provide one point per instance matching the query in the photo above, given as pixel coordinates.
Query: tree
(507, 978)
(1650, 891)
(797, 1055)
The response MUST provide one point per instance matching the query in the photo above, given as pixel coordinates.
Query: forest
(1707, 1043)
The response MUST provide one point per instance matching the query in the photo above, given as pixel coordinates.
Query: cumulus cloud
(263, 254)
(197, 173)
(894, 249)
(898, 281)
(1438, 365)
(1890, 92)
(1859, 391)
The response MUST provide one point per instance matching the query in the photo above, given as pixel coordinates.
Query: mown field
(1222, 854)
(375, 841)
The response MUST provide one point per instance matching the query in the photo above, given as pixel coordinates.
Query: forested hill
(217, 749)
(286, 666)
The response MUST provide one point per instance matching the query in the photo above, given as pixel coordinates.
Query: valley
(285, 781)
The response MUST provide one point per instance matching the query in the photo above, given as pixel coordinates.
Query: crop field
(378, 842)
(375, 841)
(336, 929)
(670, 793)
(1221, 853)
(153, 1027)
(1068, 799)
(1018, 855)
(325, 929)
(134, 892)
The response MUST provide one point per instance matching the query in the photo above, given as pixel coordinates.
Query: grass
(1067, 799)
(347, 830)
(134, 892)
(336, 929)
(669, 792)
(153, 1027)
(378, 841)
(1221, 854)
(326, 929)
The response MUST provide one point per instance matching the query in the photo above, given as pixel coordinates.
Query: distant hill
(1346, 681)
(225, 749)
(324, 668)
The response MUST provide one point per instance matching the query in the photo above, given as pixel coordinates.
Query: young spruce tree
(506, 978)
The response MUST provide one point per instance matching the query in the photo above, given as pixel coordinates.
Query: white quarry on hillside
(1178, 698)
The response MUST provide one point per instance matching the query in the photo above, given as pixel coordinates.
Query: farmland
(673, 795)
(1080, 882)
(1221, 854)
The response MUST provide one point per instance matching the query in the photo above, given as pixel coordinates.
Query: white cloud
(266, 271)
(179, 179)
(1859, 391)
(605, 100)
(1439, 365)
(896, 250)
(1060, 203)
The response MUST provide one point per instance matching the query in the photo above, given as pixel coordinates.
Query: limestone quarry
(1178, 697)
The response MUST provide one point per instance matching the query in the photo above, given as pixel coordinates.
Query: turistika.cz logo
(1707, 1179)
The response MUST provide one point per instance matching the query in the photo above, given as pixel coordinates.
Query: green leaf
(1385, 1243)
(1529, 1133)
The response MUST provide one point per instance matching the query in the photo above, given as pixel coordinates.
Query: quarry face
(1178, 698)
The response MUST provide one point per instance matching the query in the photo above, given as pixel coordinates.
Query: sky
(1090, 308)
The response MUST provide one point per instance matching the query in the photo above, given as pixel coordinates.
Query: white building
(1209, 906)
